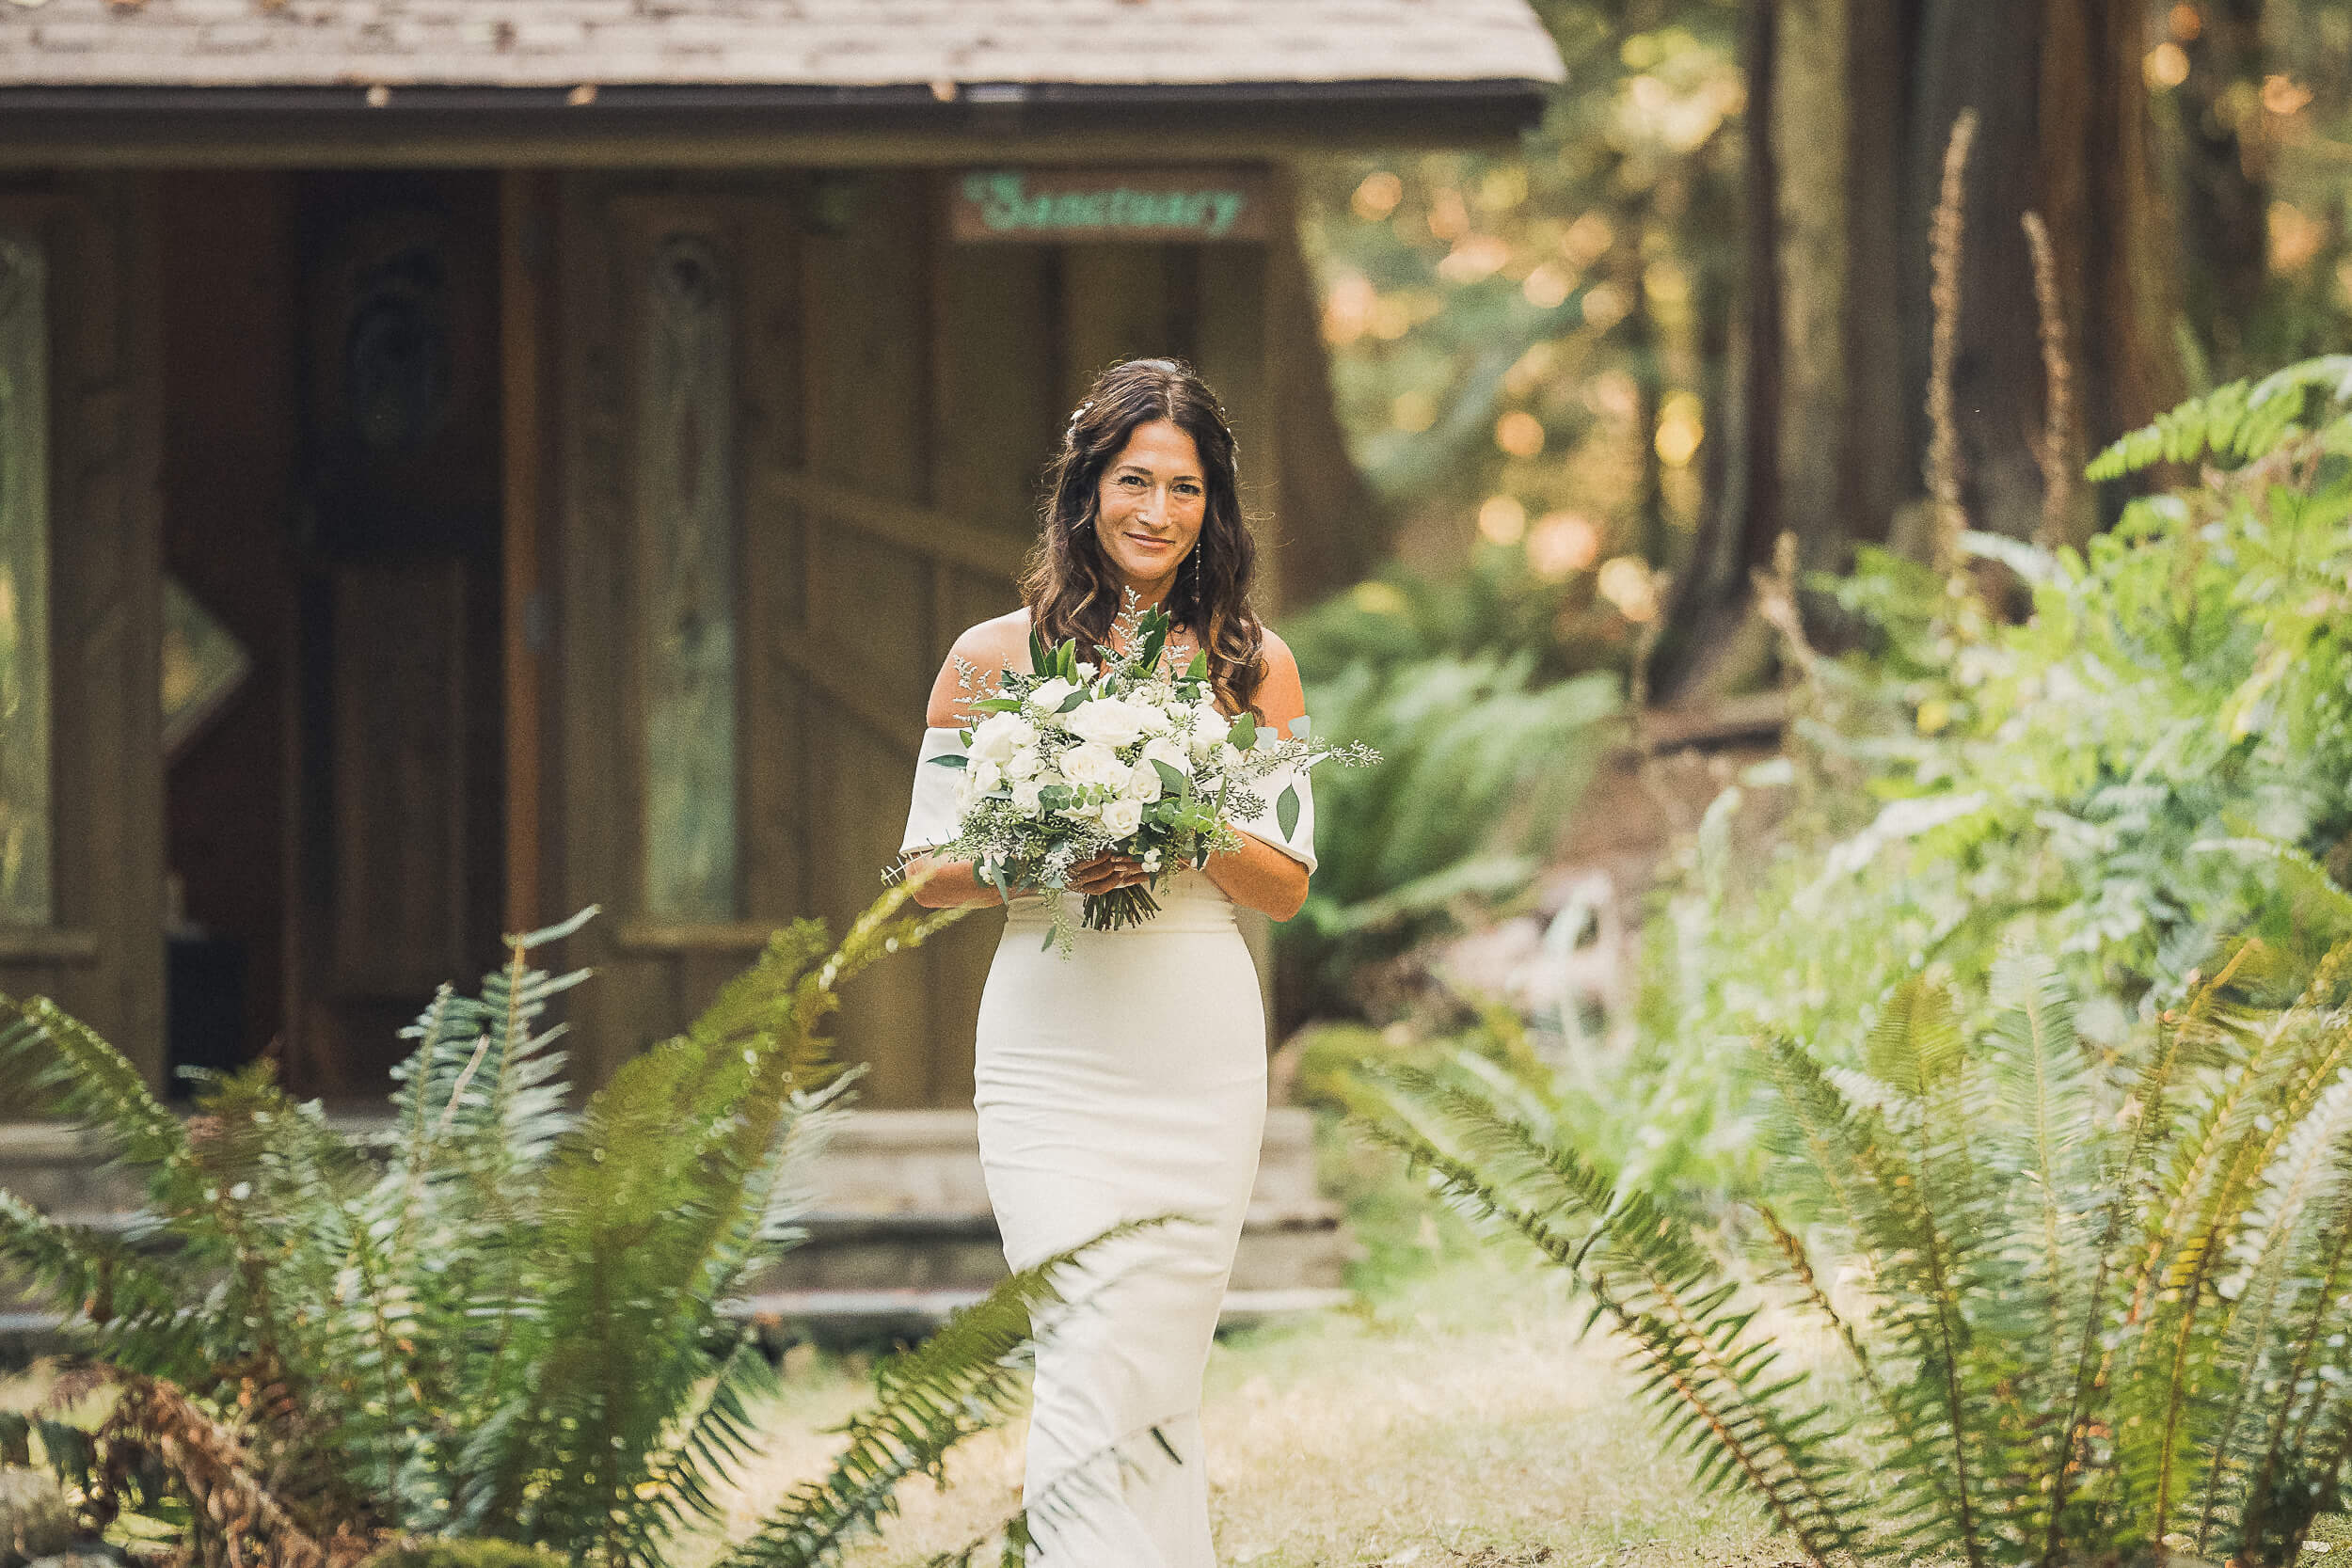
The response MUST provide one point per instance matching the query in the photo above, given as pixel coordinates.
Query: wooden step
(899, 1232)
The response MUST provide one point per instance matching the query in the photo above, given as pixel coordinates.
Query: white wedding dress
(1124, 1082)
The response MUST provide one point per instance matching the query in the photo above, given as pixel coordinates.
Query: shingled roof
(787, 43)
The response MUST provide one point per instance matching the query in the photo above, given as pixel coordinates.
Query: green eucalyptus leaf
(952, 759)
(1244, 734)
(1286, 811)
(1172, 779)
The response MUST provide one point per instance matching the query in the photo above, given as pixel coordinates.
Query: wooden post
(523, 236)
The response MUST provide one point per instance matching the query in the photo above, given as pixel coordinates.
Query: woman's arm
(991, 646)
(1258, 876)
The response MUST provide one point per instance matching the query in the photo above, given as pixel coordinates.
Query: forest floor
(1450, 1417)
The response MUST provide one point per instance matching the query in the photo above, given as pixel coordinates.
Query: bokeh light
(1520, 434)
(1377, 196)
(1501, 520)
(1561, 543)
(1628, 583)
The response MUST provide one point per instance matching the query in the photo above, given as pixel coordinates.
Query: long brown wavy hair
(1070, 585)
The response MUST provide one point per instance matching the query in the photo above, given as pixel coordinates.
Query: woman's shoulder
(1000, 644)
(1276, 653)
(995, 644)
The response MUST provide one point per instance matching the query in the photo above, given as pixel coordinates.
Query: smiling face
(1150, 505)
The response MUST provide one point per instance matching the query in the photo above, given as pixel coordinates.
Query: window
(25, 894)
(686, 510)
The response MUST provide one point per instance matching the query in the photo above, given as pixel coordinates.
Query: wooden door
(799, 435)
(81, 756)
(400, 859)
(754, 590)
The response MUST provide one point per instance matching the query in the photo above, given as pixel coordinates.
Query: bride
(1128, 1080)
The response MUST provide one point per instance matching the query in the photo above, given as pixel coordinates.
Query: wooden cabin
(464, 460)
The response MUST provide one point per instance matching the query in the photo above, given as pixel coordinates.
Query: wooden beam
(48, 944)
(919, 529)
(823, 672)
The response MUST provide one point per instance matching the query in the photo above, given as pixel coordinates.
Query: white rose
(1024, 797)
(1093, 763)
(1122, 815)
(1026, 764)
(1112, 720)
(998, 735)
(1051, 696)
(1143, 782)
(1171, 752)
(1157, 720)
(985, 777)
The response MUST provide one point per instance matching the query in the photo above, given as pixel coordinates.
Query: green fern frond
(1883, 1197)
(963, 1380)
(83, 1079)
(2313, 1156)
(2239, 421)
(1713, 1380)
(135, 1310)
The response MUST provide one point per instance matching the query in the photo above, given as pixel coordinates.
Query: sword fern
(2108, 1301)
(513, 1320)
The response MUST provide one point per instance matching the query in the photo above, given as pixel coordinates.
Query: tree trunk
(1851, 106)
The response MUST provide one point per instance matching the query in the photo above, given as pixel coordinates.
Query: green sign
(1110, 204)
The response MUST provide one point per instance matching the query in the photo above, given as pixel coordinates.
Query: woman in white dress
(1127, 1080)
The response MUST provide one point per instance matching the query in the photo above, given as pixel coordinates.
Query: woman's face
(1152, 503)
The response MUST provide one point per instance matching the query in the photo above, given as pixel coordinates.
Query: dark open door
(81, 761)
(400, 750)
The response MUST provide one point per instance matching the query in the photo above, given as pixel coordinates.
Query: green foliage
(515, 1325)
(1479, 764)
(2233, 423)
(2107, 1312)
(2157, 753)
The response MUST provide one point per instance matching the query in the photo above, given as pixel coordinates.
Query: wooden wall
(897, 397)
(100, 954)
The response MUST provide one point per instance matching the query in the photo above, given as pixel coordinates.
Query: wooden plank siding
(100, 955)
(899, 398)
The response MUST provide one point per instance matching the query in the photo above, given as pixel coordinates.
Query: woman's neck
(1152, 594)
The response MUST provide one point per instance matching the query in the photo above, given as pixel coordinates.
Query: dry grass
(1459, 1422)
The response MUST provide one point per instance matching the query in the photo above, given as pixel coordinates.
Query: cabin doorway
(332, 663)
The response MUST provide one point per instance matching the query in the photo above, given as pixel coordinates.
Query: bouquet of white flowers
(1119, 754)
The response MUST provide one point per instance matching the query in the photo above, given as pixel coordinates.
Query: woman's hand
(1106, 873)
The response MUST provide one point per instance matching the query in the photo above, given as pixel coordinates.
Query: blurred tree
(1855, 104)
(2253, 101)
(1694, 309)
(1525, 345)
